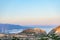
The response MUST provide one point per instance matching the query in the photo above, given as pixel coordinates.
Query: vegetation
(15, 38)
(26, 39)
(54, 37)
(44, 37)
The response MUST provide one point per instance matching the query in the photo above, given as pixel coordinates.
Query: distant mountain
(55, 31)
(10, 28)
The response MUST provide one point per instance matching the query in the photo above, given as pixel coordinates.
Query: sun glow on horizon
(32, 21)
(30, 12)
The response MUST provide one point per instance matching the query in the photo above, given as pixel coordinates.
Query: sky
(30, 12)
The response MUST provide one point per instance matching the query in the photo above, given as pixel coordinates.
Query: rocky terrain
(55, 31)
(35, 32)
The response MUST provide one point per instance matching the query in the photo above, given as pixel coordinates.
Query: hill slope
(55, 31)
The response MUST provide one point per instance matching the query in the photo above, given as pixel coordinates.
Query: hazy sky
(30, 12)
